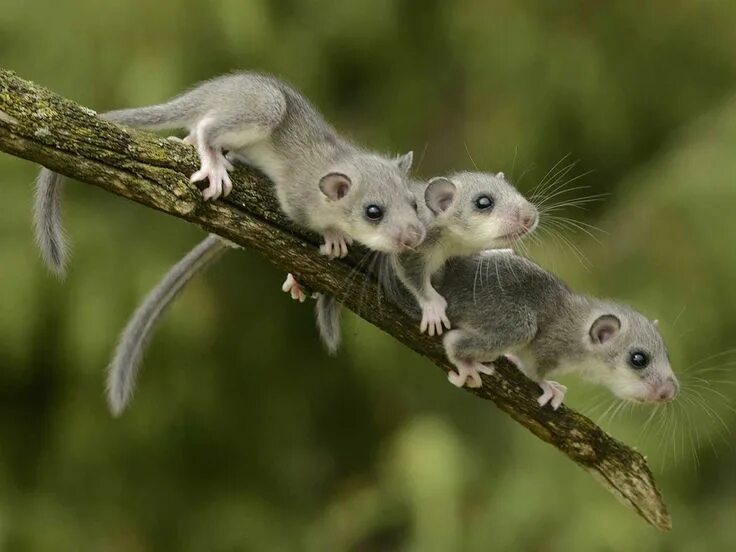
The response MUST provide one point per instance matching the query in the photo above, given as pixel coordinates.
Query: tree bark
(40, 126)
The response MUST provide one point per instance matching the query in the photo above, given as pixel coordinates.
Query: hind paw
(214, 168)
(468, 373)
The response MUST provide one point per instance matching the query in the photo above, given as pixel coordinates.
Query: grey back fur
(279, 131)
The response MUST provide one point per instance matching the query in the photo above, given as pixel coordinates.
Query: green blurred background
(244, 435)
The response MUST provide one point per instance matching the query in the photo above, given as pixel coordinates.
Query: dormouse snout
(528, 217)
(665, 391)
(411, 236)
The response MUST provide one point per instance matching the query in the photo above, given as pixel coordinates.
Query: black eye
(483, 203)
(374, 212)
(639, 359)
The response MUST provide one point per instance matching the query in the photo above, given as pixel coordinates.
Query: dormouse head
(627, 354)
(372, 200)
(480, 210)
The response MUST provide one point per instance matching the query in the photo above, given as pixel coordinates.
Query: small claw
(227, 184)
(213, 191)
(226, 163)
(201, 174)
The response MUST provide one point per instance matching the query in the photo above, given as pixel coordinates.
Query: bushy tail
(123, 369)
(47, 221)
(328, 313)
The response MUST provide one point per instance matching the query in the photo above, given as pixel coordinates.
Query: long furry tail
(123, 369)
(327, 311)
(50, 235)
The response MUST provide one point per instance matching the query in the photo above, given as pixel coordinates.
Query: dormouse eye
(639, 359)
(484, 203)
(374, 212)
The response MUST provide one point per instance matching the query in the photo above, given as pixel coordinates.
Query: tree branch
(40, 126)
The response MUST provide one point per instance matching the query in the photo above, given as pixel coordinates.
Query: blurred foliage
(244, 435)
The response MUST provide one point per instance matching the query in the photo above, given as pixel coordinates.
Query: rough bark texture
(40, 126)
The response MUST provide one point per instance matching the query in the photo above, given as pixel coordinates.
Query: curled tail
(123, 369)
(47, 221)
(327, 311)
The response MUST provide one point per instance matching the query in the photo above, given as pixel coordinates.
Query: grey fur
(526, 311)
(277, 130)
(327, 312)
(123, 368)
(460, 229)
(504, 304)
(47, 221)
(456, 227)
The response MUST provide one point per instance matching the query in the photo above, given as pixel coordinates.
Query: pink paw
(336, 244)
(468, 373)
(552, 393)
(292, 287)
(434, 316)
(214, 169)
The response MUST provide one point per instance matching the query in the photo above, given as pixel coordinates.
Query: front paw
(552, 393)
(434, 316)
(336, 244)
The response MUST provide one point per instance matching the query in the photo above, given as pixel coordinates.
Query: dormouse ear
(404, 162)
(440, 194)
(335, 186)
(604, 329)
(500, 175)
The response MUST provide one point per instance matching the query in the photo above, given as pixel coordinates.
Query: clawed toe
(215, 172)
(468, 374)
(434, 319)
(553, 393)
(336, 244)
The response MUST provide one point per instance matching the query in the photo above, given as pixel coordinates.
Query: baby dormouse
(528, 314)
(322, 181)
(466, 212)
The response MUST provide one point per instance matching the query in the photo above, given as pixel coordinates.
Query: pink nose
(412, 236)
(667, 390)
(527, 218)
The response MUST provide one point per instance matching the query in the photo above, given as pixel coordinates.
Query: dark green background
(244, 435)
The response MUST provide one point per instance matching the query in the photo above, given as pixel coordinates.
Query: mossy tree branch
(40, 126)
